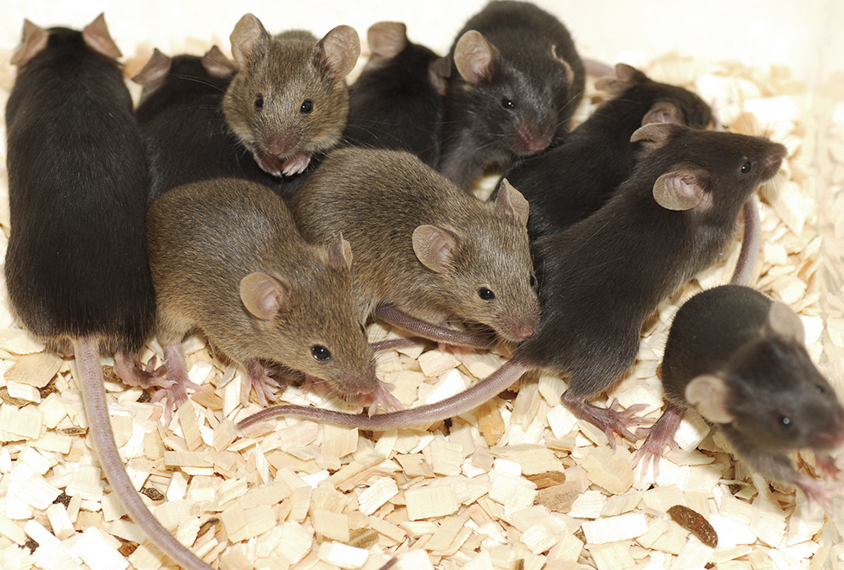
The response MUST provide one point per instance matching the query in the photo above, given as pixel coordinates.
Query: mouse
(569, 182)
(397, 101)
(182, 125)
(227, 259)
(739, 359)
(423, 247)
(604, 276)
(76, 266)
(289, 98)
(519, 80)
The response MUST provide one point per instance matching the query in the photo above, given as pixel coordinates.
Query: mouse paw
(659, 434)
(268, 163)
(816, 491)
(133, 373)
(177, 374)
(295, 164)
(826, 465)
(259, 381)
(381, 396)
(607, 419)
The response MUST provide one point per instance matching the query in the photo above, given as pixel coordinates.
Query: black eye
(486, 294)
(320, 352)
(820, 389)
(363, 330)
(307, 107)
(508, 103)
(785, 421)
(532, 281)
(746, 167)
(259, 101)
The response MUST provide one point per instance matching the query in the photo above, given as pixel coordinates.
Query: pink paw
(295, 164)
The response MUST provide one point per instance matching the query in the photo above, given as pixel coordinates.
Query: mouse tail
(750, 244)
(460, 403)
(96, 408)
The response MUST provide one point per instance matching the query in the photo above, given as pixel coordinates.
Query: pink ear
(662, 113)
(783, 322)
(97, 38)
(708, 394)
(264, 296)
(340, 49)
(153, 73)
(387, 39)
(681, 190)
(625, 77)
(653, 135)
(434, 247)
(340, 252)
(511, 202)
(247, 37)
(566, 66)
(217, 64)
(474, 57)
(439, 71)
(34, 40)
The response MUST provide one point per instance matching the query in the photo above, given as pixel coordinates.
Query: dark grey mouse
(227, 259)
(571, 181)
(397, 102)
(289, 100)
(76, 266)
(739, 359)
(519, 80)
(181, 120)
(602, 278)
(423, 247)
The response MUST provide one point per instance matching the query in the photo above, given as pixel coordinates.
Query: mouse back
(739, 358)
(397, 101)
(226, 258)
(518, 81)
(77, 261)
(290, 95)
(420, 243)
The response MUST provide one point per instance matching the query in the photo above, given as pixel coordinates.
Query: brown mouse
(422, 246)
(76, 266)
(289, 100)
(740, 360)
(227, 259)
(601, 278)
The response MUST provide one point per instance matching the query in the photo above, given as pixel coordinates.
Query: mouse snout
(773, 159)
(530, 141)
(831, 435)
(519, 329)
(281, 144)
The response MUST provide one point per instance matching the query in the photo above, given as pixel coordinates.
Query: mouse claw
(268, 163)
(383, 397)
(295, 164)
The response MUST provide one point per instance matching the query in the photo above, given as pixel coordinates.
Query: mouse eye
(320, 352)
(785, 421)
(486, 294)
(363, 330)
(820, 389)
(746, 167)
(532, 281)
(307, 107)
(259, 101)
(508, 104)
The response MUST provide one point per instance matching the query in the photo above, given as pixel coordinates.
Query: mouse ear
(662, 113)
(511, 202)
(435, 247)
(474, 57)
(783, 323)
(248, 36)
(339, 50)
(682, 189)
(97, 38)
(264, 296)
(567, 67)
(340, 252)
(625, 77)
(708, 394)
(387, 39)
(34, 40)
(152, 75)
(217, 64)
(439, 71)
(653, 135)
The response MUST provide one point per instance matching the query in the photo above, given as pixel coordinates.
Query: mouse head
(388, 40)
(307, 319)
(485, 267)
(212, 68)
(669, 103)
(521, 99)
(35, 40)
(708, 174)
(290, 95)
(770, 393)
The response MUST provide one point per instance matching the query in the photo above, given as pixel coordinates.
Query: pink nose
(282, 144)
(529, 141)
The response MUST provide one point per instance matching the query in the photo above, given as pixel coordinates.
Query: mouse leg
(609, 420)
(660, 435)
(826, 465)
(133, 374)
(259, 381)
(177, 373)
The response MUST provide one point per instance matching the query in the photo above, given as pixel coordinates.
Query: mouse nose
(281, 144)
(529, 141)
(774, 158)
(519, 329)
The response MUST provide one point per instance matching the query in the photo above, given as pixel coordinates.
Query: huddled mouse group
(264, 202)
